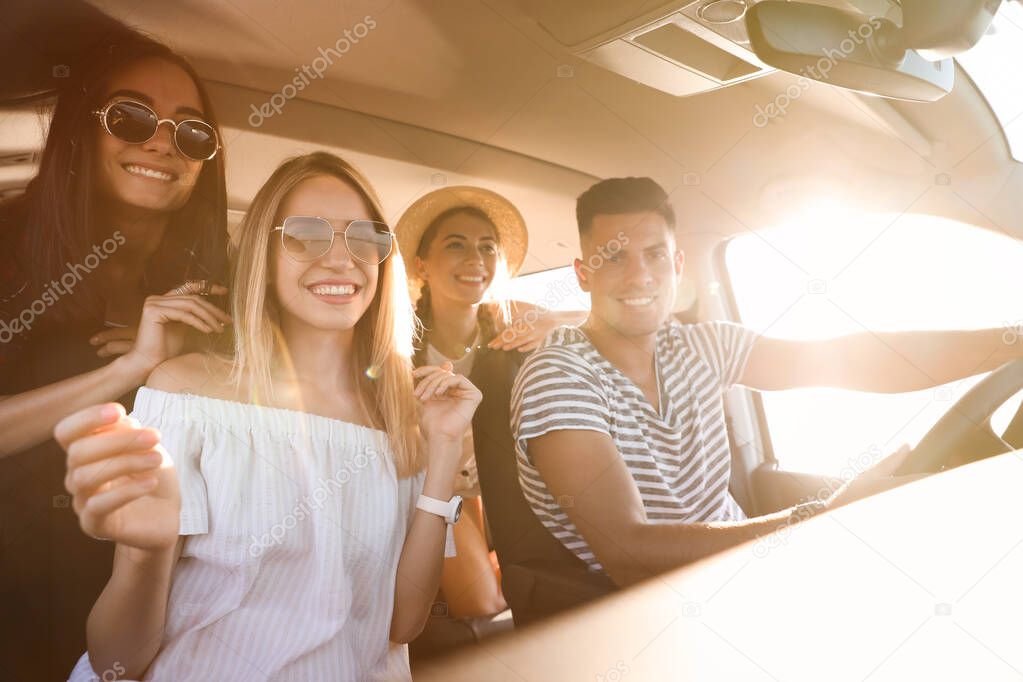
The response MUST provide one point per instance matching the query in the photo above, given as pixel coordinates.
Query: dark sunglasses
(136, 123)
(307, 238)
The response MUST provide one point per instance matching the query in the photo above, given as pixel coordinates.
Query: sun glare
(833, 272)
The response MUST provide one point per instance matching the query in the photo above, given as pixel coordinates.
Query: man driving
(619, 424)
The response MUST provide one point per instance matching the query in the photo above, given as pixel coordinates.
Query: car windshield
(993, 66)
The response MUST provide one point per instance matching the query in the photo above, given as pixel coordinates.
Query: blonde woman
(462, 244)
(297, 534)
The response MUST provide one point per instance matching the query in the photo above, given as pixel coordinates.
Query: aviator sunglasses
(136, 123)
(307, 238)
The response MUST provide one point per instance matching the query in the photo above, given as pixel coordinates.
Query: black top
(539, 576)
(50, 572)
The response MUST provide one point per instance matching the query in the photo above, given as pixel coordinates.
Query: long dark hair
(490, 316)
(54, 214)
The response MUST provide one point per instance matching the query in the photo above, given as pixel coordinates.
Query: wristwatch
(450, 510)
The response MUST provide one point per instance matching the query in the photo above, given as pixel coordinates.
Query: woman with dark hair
(468, 242)
(100, 258)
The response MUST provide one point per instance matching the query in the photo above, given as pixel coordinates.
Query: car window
(556, 288)
(820, 277)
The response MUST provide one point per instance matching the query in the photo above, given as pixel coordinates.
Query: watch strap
(445, 510)
(441, 508)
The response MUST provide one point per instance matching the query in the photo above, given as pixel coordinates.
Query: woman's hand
(530, 325)
(116, 341)
(122, 481)
(449, 400)
(165, 319)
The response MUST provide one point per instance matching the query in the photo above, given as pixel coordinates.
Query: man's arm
(889, 362)
(607, 509)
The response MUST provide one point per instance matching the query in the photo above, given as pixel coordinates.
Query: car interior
(836, 166)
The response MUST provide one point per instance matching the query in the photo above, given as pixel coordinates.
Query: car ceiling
(471, 91)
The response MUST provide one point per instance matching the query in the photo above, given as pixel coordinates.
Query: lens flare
(373, 372)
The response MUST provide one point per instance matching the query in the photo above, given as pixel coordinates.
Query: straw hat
(511, 228)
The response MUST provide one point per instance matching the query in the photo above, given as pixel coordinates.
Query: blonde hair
(383, 335)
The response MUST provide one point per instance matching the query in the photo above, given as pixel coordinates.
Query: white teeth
(638, 301)
(333, 289)
(465, 278)
(148, 172)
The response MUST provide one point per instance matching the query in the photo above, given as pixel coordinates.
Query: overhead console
(691, 46)
(682, 47)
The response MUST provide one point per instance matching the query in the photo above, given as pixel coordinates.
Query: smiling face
(335, 290)
(631, 280)
(460, 260)
(153, 175)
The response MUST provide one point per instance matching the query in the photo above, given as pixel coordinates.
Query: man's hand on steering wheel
(878, 478)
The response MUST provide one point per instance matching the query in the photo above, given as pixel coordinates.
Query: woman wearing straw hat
(461, 244)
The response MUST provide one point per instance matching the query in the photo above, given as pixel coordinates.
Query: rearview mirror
(870, 54)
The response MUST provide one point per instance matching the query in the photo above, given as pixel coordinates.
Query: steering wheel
(963, 434)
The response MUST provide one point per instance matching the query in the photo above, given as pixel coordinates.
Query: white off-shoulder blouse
(295, 524)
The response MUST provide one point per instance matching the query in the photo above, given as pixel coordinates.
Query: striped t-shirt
(679, 459)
